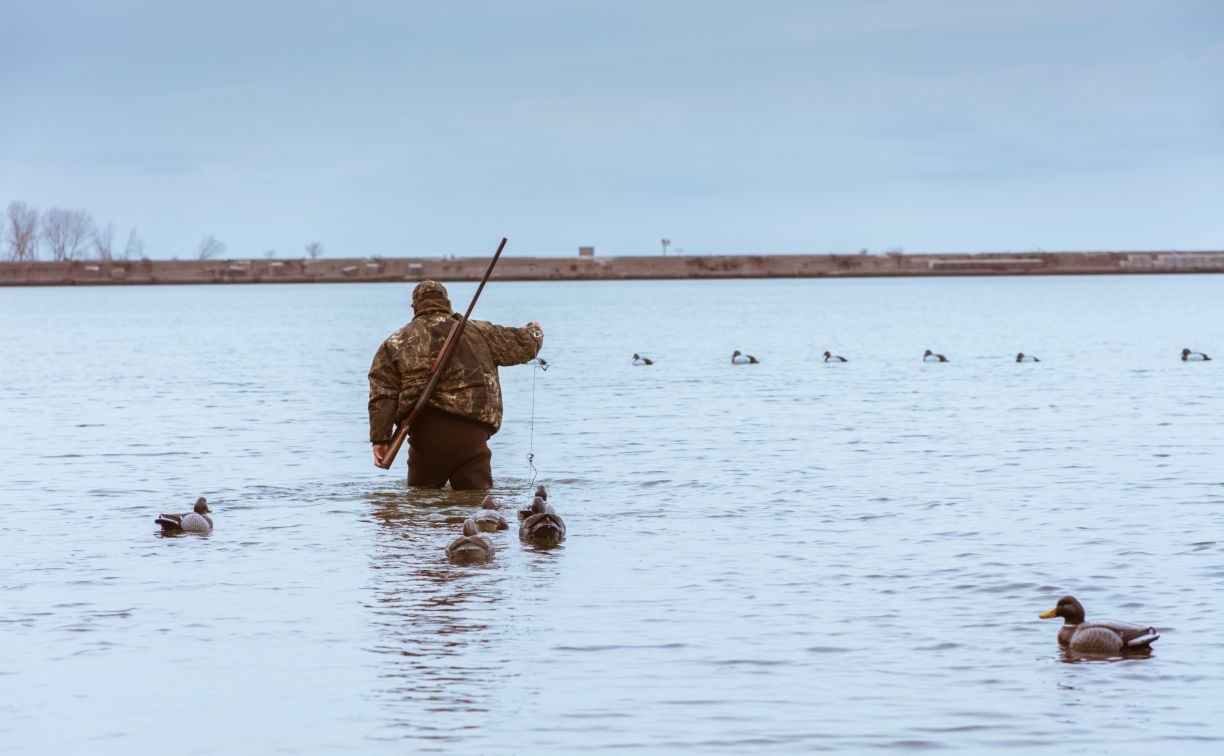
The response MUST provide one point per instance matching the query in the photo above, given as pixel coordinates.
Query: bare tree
(104, 241)
(66, 231)
(21, 231)
(210, 247)
(135, 246)
(314, 249)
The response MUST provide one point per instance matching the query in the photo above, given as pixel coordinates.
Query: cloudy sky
(406, 128)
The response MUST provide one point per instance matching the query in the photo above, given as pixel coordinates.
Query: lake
(785, 557)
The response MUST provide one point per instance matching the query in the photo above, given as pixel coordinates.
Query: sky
(773, 126)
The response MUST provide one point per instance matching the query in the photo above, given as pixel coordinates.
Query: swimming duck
(742, 359)
(195, 521)
(1188, 356)
(932, 357)
(471, 546)
(1104, 637)
(541, 524)
(1022, 357)
(640, 360)
(487, 518)
(834, 358)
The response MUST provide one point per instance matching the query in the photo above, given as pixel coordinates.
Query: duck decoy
(640, 360)
(737, 358)
(471, 546)
(1105, 637)
(828, 357)
(195, 521)
(541, 525)
(932, 357)
(1188, 356)
(1022, 357)
(541, 493)
(487, 518)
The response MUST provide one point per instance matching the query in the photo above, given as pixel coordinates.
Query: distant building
(586, 251)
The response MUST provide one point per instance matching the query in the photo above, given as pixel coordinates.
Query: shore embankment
(589, 268)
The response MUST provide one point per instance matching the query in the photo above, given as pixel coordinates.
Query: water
(786, 557)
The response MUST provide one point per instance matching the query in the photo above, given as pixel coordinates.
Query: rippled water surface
(785, 557)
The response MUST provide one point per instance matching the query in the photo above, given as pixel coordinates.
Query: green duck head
(1070, 609)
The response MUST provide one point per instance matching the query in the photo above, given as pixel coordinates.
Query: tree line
(73, 234)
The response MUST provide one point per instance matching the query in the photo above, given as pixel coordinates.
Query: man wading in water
(449, 440)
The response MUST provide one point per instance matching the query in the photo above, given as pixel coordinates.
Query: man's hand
(379, 451)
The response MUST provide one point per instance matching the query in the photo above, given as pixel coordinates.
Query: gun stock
(435, 373)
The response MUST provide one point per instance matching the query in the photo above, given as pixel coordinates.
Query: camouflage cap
(428, 290)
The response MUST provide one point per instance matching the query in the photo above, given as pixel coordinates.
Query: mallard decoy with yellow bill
(1104, 637)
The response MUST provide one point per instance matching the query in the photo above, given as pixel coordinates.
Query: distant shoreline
(590, 268)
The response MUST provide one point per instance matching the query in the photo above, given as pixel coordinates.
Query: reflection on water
(442, 628)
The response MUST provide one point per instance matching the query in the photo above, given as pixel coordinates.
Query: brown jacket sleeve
(510, 346)
(384, 395)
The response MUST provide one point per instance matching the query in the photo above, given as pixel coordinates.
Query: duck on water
(1022, 357)
(739, 358)
(195, 521)
(540, 524)
(640, 360)
(487, 518)
(1105, 637)
(932, 357)
(471, 546)
(830, 357)
(1188, 356)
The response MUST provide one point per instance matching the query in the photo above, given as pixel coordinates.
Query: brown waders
(444, 447)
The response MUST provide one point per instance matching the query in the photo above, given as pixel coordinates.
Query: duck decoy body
(640, 360)
(1188, 356)
(1105, 637)
(541, 524)
(471, 546)
(828, 357)
(738, 358)
(487, 518)
(195, 521)
(932, 357)
(1022, 357)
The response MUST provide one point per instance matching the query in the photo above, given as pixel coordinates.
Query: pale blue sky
(403, 128)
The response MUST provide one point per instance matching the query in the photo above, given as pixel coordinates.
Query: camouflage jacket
(469, 386)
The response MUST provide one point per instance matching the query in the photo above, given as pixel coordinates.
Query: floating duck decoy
(541, 525)
(1022, 357)
(471, 546)
(738, 358)
(1188, 356)
(487, 518)
(828, 357)
(195, 521)
(932, 357)
(640, 360)
(1105, 637)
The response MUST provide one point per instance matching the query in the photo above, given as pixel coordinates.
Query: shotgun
(435, 373)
